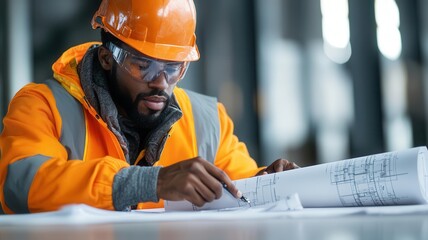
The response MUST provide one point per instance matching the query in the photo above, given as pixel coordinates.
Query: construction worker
(112, 129)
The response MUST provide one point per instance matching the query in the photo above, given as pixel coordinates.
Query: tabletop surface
(350, 227)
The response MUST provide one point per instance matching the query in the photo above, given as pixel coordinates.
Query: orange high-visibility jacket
(55, 149)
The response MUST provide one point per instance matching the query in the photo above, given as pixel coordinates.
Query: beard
(153, 118)
(142, 120)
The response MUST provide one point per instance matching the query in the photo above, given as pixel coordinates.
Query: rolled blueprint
(393, 178)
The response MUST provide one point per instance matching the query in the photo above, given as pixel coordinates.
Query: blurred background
(312, 81)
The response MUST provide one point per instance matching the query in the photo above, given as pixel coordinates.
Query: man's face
(143, 100)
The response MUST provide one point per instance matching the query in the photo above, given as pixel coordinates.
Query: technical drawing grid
(262, 192)
(366, 181)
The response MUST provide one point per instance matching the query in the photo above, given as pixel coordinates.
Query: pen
(244, 199)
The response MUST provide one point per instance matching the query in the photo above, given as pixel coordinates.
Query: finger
(222, 177)
(261, 172)
(228, 184)
(195, 192)
(209, 186)
(291, 165)
(209, 175)
(270, 169)
(287, 165)
(276, 166)
(280, 165)
(205, 192)
(195, 198)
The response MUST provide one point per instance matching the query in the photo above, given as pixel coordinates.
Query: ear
(105, 57)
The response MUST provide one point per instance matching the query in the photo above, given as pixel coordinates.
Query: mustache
(142, 96)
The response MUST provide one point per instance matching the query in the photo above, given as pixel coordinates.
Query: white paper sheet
(384, 179)
(81, 214)
(395, 178)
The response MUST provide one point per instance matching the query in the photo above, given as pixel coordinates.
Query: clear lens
(146, 69)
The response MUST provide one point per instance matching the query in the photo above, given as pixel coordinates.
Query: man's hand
(195, 180)
(278, 166)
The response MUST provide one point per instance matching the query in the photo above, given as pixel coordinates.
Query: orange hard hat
(162, 29)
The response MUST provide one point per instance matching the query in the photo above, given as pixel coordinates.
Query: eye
(172, 67)
(144, 64)
(141, 64)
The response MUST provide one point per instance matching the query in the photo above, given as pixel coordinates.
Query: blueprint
(393, 178)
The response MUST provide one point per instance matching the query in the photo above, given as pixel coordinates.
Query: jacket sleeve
(35, 173)
(232, 155)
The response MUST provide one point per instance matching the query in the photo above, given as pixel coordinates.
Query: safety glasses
(146, 69)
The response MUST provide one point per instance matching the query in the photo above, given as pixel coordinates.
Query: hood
(65, 69)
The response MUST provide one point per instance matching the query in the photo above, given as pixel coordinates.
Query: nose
(160, 81)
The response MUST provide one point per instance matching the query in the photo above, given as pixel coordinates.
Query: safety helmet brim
(159, 29)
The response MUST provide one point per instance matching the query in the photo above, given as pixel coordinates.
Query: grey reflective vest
(205, 115)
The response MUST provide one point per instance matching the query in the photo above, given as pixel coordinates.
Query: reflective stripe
(19, 178)
(207, 125)
(73, 130)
